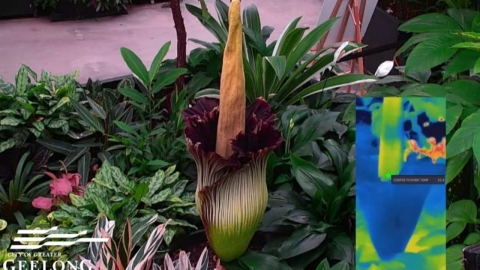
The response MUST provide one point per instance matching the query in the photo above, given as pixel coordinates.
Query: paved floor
(93, 46)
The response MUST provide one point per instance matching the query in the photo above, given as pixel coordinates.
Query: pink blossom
(43, 203)
(60, 186)
(95, 168)
(74, 178)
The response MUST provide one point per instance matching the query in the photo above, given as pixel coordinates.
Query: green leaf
(462, 61)
(10, 121)
(323, 265)
(87, 116)
(453, 114)
(22, 80)
(135, 65)
(301, 241)
(75, 155)
(472, 239)
(454, 229)
(464, 17)
(260, 261)
(84, 168)
(134, 95)
(432, 22)
(467, 90)
(467, 45)
(454, 257)
(97, 108)
(279, 64)
(331, 83)
(341, 248)
(463, 138)
(209, 92)
(314, 128)
(462, 211)
(125, 127)
(167, 78)
(308, 42)
(343, 265)
(158, 163)
(57, 146)
(415, 39)
(455, 165)
(157, 61)
(103, 207)
(476, 66)
(311, 179)
(431, 53)
(161, 196)
(140, 191)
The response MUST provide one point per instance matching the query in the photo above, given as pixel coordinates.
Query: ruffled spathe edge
(259, 139)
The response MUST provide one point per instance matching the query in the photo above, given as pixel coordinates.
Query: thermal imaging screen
(401, 196)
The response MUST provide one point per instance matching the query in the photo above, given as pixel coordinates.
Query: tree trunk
(181, 40)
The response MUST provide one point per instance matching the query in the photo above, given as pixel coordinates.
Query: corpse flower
(230, 143)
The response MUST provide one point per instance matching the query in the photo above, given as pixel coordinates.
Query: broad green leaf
(84, 168)
(468, 45)
(308, 42)
(262, 261)
(57, 146)
(156, 182)
(167, 78)
(343, 265)
(431, 53)
(97, 108)
(134, 95)
(301, 241)
(463, 61)
(454, 229)
(157, 61)
(135, 65)
(140, 191)
(209, 92)
(209, 22)
(453, 114)
(464, 137)
(454, 257)
(87, 116)
(472, 239)
(278, 64)
(464, 17)
(331, 83)
(415, 39)
(311, 179)
(342, 249)
(125, 127)
(10, 121)
(463, 211)
(431, 22)
(22, 80)
(467, 90)
(476, 66)
(75, 155)
(314, 128)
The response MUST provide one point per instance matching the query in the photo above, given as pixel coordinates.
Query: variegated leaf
(148, 250)
(202, 263)
(141, 228)
(168, 263)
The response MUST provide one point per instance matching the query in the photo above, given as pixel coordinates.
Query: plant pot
(68, 11)
(16, 8)
(382, 32)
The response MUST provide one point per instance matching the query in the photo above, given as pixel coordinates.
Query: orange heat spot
(434, 151)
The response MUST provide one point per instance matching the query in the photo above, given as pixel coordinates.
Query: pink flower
(95, 168)
(74, 178)
(43, 203)
(60, 186)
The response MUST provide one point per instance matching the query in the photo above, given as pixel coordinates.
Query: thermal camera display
(400, 177)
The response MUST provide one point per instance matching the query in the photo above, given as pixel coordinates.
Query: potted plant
(16, 8)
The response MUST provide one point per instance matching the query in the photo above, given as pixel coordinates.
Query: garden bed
(68, 11)
(16, 8)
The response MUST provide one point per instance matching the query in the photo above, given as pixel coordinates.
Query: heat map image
(400, 224)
